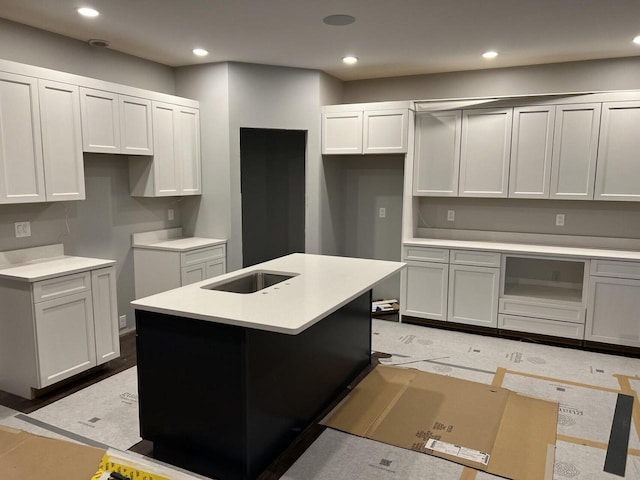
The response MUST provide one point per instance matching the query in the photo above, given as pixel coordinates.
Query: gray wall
(236, 95)
(32, 46)
(100, 226)
(371, 183)
(593, 75)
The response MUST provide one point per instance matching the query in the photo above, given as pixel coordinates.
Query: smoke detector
(96, 42)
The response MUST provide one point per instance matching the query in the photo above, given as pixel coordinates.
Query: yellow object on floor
(108, 465)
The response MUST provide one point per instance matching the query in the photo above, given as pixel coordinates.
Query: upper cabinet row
(45, 126)
(548, 151)
(364, 132)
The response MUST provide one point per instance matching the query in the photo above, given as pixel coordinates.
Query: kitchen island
(232, 370)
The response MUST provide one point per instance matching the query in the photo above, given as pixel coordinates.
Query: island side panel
(191, 393)
(292, 379)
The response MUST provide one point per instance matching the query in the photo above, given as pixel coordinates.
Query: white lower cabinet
(53, 329)
(614, 303)
(473, 295)
(426, 290)
(158, 270)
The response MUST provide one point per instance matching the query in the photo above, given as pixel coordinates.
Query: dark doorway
(272, 170)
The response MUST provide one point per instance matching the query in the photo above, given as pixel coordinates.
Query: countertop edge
(92, 265)
(524, 248)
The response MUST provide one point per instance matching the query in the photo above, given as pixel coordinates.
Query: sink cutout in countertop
(250, 282)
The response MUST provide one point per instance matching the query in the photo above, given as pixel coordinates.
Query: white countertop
(322, 285)
(523, 248)
(171, 239)
(44, 268)
(181, 244)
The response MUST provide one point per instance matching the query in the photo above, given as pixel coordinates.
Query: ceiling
(391, 38)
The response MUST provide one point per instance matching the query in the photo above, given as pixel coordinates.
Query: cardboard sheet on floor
(24, 455)
(488, 428)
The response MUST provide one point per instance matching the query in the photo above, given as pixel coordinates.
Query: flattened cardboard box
(488, 428)
(27, 456)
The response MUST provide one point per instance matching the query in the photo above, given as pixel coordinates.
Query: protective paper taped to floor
(488, 428)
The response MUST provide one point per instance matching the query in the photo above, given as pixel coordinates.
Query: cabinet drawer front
(615, 268)
(530, 308)
(202, 255)
(541, 326)
(61, 286)
(473, 257)
(426, 254)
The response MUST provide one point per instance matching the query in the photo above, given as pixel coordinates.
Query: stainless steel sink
(250, 282)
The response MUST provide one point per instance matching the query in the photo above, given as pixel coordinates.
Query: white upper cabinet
(175, 168)
(113, 123)
(364, 130)
(342, 133)
(61, 141)
(618, 173)
(136, 132)
(575, 149)
(385, 131)
(189, 150)
(485, 152)
(100, 121)
(531, 147)
(437, 153)
(21, 165)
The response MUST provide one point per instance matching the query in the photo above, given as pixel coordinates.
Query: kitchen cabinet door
(61, 141)
(105, 314)
(342, 133)
(612, 311)
(426, 290)
(21, 164)
(65, 337)
(100, 121)
(188, 150)
(193, 273)
(473, 295)
(575, 149)
(136, 133)
(166, 170)
(531, 148)
(437, 153)
(216, 267)
(385, 131)
(485, 152)
(618, 169)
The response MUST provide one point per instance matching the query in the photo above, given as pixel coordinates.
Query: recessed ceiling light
(339, 20)
(201, 52)
(637, 40)
(88, 12)
(490, 54)
(350, 60)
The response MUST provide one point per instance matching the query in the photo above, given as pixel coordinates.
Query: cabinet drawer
(201, 255)
(551, 311)
(61, 286)
(474, 257)
(426, 254)
(615, 268)
(541, 326)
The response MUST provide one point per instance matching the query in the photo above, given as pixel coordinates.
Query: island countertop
(321, 284)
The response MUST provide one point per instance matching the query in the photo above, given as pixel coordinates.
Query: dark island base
(225, 401)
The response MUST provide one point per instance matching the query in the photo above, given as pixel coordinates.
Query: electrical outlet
(23, 229)
(123, 321)
(382, 212)
(451, 215)
(560, 220)
(170, 215)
